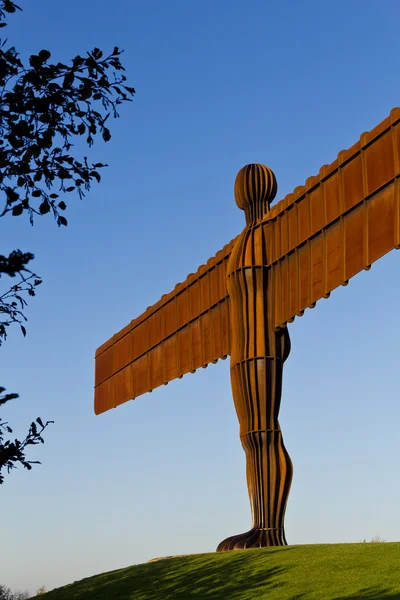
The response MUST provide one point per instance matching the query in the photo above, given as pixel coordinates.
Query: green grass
(334, 572)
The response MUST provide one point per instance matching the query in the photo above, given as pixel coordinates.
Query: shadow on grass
(249, 575)
(230, 577)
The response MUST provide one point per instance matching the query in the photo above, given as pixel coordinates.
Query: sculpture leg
(256, 386)
(269, 474)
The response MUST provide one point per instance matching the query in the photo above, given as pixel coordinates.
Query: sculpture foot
(255, 538)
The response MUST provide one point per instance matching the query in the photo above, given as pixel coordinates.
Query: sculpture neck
(256, 212)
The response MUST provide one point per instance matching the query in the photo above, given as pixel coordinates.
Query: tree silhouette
(44, 106)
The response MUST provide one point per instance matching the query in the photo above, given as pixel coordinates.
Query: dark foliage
(44, 106)
(12, 453)
(7, 594)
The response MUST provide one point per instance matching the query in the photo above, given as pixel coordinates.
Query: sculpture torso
(253, 339)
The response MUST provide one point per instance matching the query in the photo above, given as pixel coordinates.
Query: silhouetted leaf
(17, 210)
(68, 79)
(12, 195)
(106, 134)
(44, 55)
(44, 207)
(62, 221)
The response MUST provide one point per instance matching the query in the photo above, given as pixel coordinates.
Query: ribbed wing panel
(338, 224)
(187, 329)
(316, 239)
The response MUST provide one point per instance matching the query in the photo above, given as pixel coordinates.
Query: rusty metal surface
(239, 303)
(187, 329)
(258, 353)
(315, 239)
(338, 224)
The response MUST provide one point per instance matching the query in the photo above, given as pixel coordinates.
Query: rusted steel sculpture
(239, 303)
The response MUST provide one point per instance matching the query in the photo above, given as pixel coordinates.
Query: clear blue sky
(220, 83)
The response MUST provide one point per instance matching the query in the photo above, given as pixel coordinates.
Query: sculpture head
(255, 188)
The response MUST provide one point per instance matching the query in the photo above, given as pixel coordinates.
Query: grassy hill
(334, 572)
